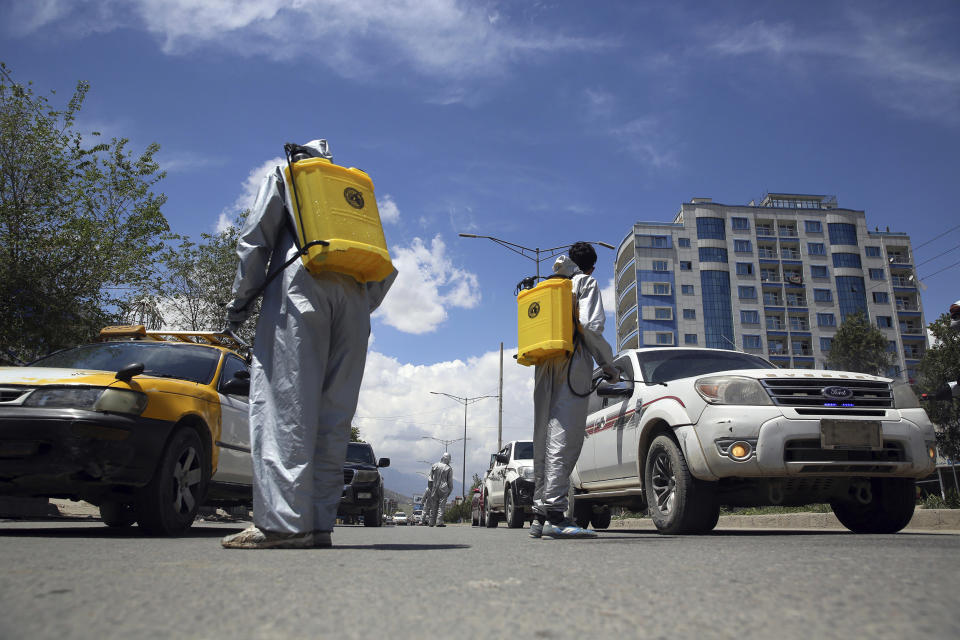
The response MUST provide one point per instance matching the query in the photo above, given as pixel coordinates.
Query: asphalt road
(78, 579)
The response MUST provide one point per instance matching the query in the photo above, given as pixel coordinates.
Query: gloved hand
(610, 373)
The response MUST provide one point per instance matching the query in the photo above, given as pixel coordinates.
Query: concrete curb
(923, 520)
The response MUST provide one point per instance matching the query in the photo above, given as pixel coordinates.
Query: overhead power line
(937, 237)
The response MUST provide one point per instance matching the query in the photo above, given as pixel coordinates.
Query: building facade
(775, 278)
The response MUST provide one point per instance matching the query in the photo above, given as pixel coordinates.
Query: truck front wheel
(678, 502)
(879, 505)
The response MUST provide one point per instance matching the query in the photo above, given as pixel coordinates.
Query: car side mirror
(133, 369)
(622, 389)
(383, 462)
(238, 385)
(503, 458)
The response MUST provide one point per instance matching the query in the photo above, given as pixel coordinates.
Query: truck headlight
(89, 399)
(904, 397)
(366, 476)
(732, 390)
(527, 473)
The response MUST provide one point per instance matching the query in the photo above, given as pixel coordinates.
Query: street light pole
(464, 402)
(536, 251)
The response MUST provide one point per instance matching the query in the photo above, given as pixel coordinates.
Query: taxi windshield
(194, 363)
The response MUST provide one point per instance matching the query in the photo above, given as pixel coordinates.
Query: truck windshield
(360, 453)
(523, 451)
(664, 365)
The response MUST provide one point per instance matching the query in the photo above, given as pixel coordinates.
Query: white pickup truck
(692, 429)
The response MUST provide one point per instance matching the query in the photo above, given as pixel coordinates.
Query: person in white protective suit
(441, 476)
(308, 360)
(425, 504)
(560, 415)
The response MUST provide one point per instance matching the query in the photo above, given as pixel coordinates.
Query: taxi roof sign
(139, 332)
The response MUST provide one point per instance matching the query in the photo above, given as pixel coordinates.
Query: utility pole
(500, 412)
(464, 402)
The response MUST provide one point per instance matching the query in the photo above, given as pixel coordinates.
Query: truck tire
(887, 509)
(373, 517)
(514, 514)
(582, 512)
(167, 505)
(490, 518)
(601, 519)
(678, 502)
(117, 515)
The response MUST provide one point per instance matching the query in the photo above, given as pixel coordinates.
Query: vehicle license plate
(364, 496)
(850, 434)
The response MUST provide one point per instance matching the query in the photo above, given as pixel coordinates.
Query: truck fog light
(932, 452)
(740, 450)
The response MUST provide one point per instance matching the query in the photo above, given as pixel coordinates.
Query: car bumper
(523, 492)
(788, 445)
(72, 452)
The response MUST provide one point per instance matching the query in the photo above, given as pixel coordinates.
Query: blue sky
(541, 123)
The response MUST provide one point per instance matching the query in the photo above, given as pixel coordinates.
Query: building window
(885, 322)
(872, 252)
(772, 298)
(822, 295)
(686, 265)
(742, 246)
(740, 224)
(711, 229)
(744, 268)
(819, 271)
(663, 313)
(661, 288)
(690, 338)
(842, 233)
(796, 300)
(816, 249)
(683, 242)
(848, 260)
(659, 265)
(813, 226)
(881, 297)
(747, 293)
(658, 242)
(878, 274)
(752, 342)
(825, 344)
(713, 254)
(664, 338)
(689, 314)
(826, 320)
(686, 289)
(851, 295)
(749, 316)
(716, 310)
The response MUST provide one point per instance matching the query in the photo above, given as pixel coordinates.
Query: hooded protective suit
(441, 474)
(308, 359)
(560, 416)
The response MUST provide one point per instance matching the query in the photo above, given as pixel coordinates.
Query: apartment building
(774, 277)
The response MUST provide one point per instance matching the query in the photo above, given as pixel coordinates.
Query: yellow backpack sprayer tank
(545, 318)
(338, 223)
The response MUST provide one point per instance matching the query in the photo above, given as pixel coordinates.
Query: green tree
(940, 365)
(80, 225)
(355, 434)
(859, 346)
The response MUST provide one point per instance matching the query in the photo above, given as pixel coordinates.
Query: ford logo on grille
(837, 393)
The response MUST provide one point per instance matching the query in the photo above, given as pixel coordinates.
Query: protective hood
(566, 267)
(445, 458)
(318, 148)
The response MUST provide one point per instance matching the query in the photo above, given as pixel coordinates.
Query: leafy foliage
(859, 346)
(80, 225)
(940, 365)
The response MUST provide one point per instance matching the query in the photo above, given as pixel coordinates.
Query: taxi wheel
(117, 515)
(168, 504)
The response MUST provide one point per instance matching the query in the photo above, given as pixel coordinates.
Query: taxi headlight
(89, 399)
(732, 390)
(904, 397)
(366, 476)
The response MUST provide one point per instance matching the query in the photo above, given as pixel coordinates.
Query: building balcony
(786, 254)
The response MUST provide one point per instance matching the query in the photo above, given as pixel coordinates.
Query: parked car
(362, 484)
(400, 518)
(508, 486)
(147, 425)
(693, 429)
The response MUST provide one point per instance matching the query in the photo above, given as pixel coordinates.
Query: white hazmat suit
(308, 360)
(560, 416)
(441, 475)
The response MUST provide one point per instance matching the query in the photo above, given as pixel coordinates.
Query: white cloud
(389, 212)
(437, 38)
(428, 284)
(646, 138)
(251, 185)
(609, 298)
(396, 409)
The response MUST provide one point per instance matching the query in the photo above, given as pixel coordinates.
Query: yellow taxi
(148, 425)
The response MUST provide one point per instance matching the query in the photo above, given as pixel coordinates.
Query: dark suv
(362, 485)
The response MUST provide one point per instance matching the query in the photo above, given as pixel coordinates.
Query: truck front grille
(808, 392)
(347, 476)
(810, 451)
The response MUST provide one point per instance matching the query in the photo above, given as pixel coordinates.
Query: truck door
(235, 464)
(614, 432)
